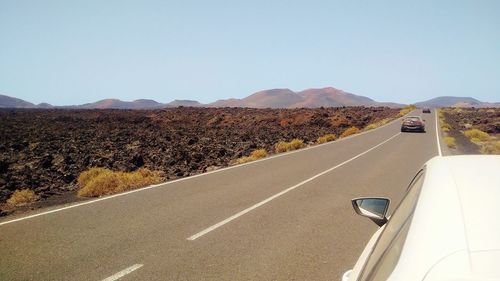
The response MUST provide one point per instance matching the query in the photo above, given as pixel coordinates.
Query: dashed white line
(124, 272)
(235, 216)
(437, 133)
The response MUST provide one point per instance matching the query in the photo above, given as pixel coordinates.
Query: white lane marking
(237, 215)
(437, 133)
(122, 273)
(190, 177)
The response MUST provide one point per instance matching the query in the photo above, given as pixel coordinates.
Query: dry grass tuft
(440, 113)
(407, 109)
(98, 181)
(450, 142)
(445, 127)
(349, 131)
(477, 136)
(281, 146)
(284, 146)
(377, 124)
(21, 197)
(491, 148)
(326, 138)
(256, 154)
(90, 174)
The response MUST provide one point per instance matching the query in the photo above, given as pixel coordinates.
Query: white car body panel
(364, 255)
(455, 230)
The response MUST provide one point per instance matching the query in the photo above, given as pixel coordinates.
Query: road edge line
(437, 133)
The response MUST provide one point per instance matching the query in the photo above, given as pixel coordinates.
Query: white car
(447, 227)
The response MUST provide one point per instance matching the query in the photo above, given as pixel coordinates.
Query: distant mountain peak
(186, 103)
(271, 98)
(286, 98)
(452, 101)
(6, 101)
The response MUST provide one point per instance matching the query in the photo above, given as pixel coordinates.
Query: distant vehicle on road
(445, 228)
(413, 123)
(426, 110)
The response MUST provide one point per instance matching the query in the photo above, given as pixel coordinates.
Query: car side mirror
(372, 208)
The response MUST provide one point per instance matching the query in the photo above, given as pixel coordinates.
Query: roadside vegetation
(377, 124)
(349, 131)
(488, 144)
(99, 181)
(326, 138)
(477, 136)
(492, 147)
(450, 142)
(284, 146)
(472, 123)
(407, 109)
(21, 197)
(445, 127)
(256, 154)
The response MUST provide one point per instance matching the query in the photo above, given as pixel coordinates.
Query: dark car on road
(426, 110)
(413, 124)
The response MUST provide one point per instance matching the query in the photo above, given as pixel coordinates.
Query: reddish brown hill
(118, 104)
(311, 98)
(331, 97)
(274, 98)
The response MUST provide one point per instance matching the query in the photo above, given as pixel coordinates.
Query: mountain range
(273, 98)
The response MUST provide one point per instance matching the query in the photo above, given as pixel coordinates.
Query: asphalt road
(284, 218)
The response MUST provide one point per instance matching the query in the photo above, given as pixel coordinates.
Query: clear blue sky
(72, 52)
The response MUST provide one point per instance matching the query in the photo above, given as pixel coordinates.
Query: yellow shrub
(440, 114)
(407, 109)
(21, 197)
(445, 127)
(107, 182)
(296, 144)
(259, 153)
(349, 131)
(326, 138)
(377, 124)
(450, 142)
(284, 146)
(88, 175)
(491, 148)
(371, 126)
(256, 154)
(476, 135)
(281, 146)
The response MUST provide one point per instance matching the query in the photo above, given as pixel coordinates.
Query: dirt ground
(462, 119)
